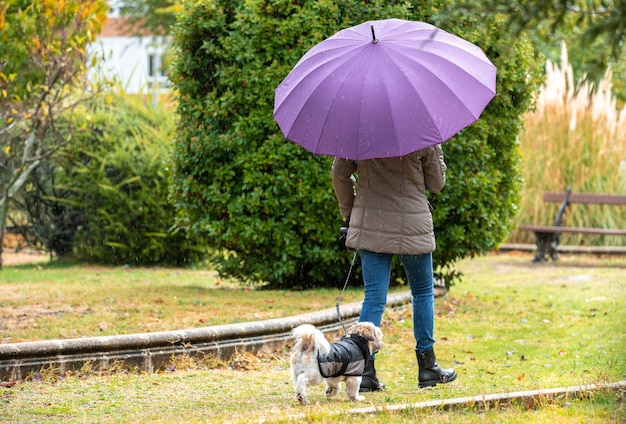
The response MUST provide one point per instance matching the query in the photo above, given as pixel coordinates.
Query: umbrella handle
(374, 40)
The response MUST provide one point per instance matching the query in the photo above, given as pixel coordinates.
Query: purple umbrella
(382, 89)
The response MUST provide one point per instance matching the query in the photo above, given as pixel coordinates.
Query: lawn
(508, 326)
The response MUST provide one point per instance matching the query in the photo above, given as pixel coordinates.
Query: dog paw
(331, 391)
(302, 399)
(359, 398)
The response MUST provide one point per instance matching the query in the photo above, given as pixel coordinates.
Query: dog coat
(347, 357)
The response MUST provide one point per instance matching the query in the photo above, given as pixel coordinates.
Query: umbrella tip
(374, 40)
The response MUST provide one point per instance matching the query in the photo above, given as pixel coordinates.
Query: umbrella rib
(402, 50)
(437, 76)
(335, 64)
(423, 104)
(388, 98)
(339, 87)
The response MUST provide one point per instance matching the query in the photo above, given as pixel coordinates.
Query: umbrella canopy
(382, 89)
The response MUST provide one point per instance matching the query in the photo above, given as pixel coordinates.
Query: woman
(388, 214)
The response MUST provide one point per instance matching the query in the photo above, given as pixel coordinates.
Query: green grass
(509, 325)
(49, 301)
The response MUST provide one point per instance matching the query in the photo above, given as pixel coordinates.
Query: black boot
(429, 372)
(369, 382)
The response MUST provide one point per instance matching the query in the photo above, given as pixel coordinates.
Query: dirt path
(10, 257)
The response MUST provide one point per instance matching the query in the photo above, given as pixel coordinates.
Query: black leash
(340, 298)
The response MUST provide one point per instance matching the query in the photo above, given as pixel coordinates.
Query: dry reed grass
(576, 137)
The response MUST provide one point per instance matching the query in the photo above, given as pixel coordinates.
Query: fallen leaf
(521, 376)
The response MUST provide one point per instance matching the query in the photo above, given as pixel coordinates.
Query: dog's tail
(309, 339)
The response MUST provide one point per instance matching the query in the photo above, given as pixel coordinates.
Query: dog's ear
(378, 334)
(377, 342)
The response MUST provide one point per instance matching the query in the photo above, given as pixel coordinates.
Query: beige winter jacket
(388, 210)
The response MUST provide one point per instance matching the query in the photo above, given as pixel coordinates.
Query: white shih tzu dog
(314, 359)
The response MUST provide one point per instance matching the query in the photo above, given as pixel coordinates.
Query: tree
(156, 17)
(42, 68)
(598, 18)
(593, 30)
(266, 205)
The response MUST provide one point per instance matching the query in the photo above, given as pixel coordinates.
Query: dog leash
(340, 298)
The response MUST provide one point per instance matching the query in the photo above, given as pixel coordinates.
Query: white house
(135, 61)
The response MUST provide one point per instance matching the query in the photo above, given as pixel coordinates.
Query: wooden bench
(547, 236)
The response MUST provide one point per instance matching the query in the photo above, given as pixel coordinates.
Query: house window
(154, 66)
(156, 71)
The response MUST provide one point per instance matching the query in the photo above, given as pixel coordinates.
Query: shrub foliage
(268, 205)
(105, 199)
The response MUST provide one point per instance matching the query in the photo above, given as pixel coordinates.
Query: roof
(113, 27)
(119, 27)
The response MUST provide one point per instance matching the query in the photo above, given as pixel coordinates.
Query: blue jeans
(419, 271)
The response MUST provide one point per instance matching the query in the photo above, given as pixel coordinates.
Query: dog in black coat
(314, 359)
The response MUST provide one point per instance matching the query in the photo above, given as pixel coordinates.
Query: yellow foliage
(576, 137)
(3, 8)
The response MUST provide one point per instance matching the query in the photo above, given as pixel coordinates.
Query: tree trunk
(1, 245)
(17, 182)
(3, 221)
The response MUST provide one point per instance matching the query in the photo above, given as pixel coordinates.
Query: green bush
(113, 181)
(48, 222)
(267, 204)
